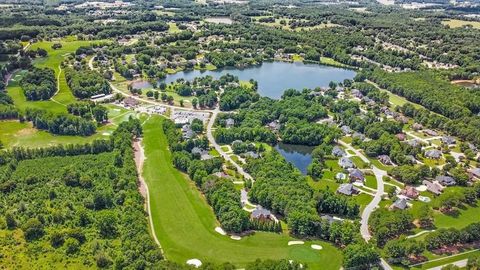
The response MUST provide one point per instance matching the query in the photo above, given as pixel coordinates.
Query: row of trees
(221, 193)
(62, 124)
(89, 111)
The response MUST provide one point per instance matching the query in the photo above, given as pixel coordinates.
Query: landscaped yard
(184, 223)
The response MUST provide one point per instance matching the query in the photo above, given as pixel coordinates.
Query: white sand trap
(291, 243)
(316, 247)
(195, 262)
(220, 231)
(421, 188)
(235, 237)
(106, 134)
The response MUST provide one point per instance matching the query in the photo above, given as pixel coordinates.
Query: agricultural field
(461, 23)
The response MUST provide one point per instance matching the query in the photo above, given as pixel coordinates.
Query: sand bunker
(235, 237)
(316, 247)
(220, 231)
(291, 243)
(195, 262)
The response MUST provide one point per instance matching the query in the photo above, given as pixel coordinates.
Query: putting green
(185, 224)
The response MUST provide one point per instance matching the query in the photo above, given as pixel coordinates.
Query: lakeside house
(338, 151)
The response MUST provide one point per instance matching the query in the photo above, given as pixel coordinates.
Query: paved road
(374, 203)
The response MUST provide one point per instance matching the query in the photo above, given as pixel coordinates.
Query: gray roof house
(345, 163)
(356, 175)
(338, 151)
(347, 189)
(433, 154)
(229, 123)
(445, 180)
(261, 213)
(448, 140)
(346, 130)
(358, 135)
(475, 172)
(385, 159)
(433, 187)
(400, 203)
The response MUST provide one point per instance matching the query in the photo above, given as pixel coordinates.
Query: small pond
(299, 155)
(141, 84)
(275, 77)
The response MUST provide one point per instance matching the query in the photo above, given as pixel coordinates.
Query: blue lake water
(275, 77)
(299, 155)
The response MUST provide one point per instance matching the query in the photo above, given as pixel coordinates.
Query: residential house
(410, 192)
(261, 213)
(475, 173)
(346, 163)
(414, 143)
(430, 132)
(448, 140)
(433, 154)
(229, 123)
(338, 151)
(400, 203)
(385, 160)
(401, 136)
(346, 130)
(445, 180)
(347, 189)
(274, 125)
(433, 187)
(356, 175)
(252, 154)
(417, 126)
(358, 135)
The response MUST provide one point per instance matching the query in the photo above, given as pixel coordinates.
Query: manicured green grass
(15, 133)
(331, 62)
(184, 223)
(465, 217)
(452, 259)
(53, 60)
(371, 181)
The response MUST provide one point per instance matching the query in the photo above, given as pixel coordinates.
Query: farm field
(184, 223)
(461, 23)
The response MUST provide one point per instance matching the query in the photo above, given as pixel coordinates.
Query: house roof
(338, 152)
(347, 189)
(356, 175)
(433, 187)
(475, 172)
(345, 163)
(260, 212)
(385, 159)
(410, 192)
(445, 180)
(433, 153)
(400, 203)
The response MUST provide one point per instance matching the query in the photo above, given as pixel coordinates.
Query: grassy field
(184, 223)
(53, 60)
(15, 133)
(461, 23)
(173, 28)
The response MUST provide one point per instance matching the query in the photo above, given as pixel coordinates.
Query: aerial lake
(299, 155)
(275, 77)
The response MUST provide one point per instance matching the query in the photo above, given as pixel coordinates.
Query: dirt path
(143, 187)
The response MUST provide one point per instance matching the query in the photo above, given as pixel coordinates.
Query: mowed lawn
(14, 133)
(53, 61)
(184, 223)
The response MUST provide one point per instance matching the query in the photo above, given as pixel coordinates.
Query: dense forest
(94, 217)
(85, 84)
(39, 84)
